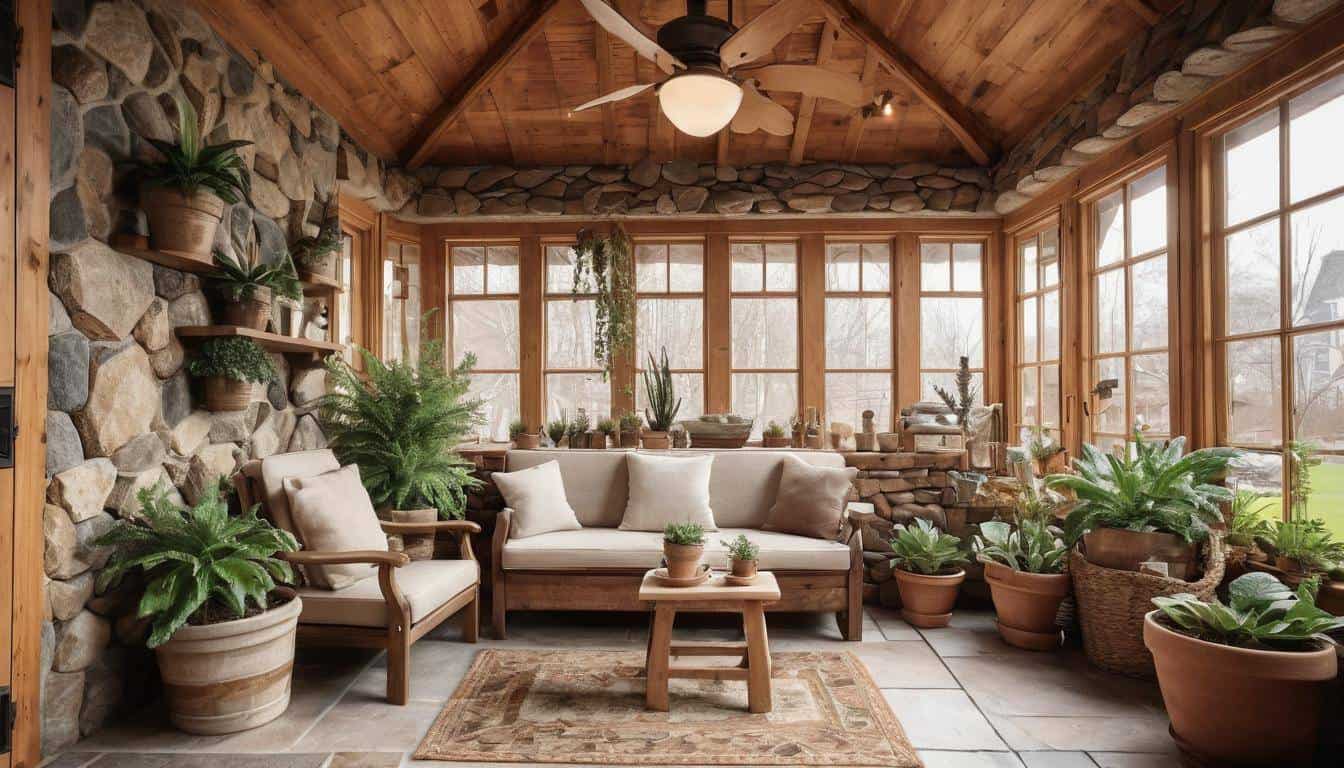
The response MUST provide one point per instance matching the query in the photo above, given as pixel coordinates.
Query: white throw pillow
(333, 513)
(537, 497)
(668, 489)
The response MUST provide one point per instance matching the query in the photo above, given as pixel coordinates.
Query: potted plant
(556, 431)
(963, 399)
(774, 436)
(578, 431)
(1024, 565)
(185, 194)
(1244, 682)
(1246, 529)
(315, 256)
(606, 428)
(1047, 454)
(221, 625)
(400, 422)
(630, 424)
(521, 437)
(683, 546)
(248, 288)
(1303, 547)
(662, 399)
(927, 575)
(742, 555)
(232, 366)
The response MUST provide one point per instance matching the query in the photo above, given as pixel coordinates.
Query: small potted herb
(556, 430)
(315, 256)
(578, 431)
(606, 428)
(249, 288)
(663, 402)
(521, 437)
(742, 556)
(927, 575)
(232, 367)
(683, 547)
(1024, 566)
(1303, 547)
(774, 436)
(630, 424)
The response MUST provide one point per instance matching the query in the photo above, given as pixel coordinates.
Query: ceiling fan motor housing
(696, 37)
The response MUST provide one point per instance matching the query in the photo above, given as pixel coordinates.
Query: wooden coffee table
(712, 596)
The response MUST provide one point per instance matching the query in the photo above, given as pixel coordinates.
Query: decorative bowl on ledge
(718, 430)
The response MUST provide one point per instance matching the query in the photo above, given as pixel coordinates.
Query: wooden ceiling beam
(605, 85)
(858, 121)
(808, 107)
(964, 126)
(519, 36)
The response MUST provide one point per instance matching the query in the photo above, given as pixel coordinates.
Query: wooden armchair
(406, 601)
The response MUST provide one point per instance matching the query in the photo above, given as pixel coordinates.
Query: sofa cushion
(596, 548)
(277, 467)
(595, 481)
(811, 500)
(427, 584)
(332, 513)
(537, 497)
(666, 490)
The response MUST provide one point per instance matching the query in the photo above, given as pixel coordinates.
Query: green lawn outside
(1327, 498)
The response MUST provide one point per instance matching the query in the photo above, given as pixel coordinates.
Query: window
(1038, 322)
(670, 314)
(1279, 272)
(482, 290)
(764, 286)
(859, 355)
(951, 316)
(574, 379)
(401, 301)
(345, 312)
(1130, 312)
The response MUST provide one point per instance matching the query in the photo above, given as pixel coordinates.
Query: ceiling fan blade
(623, 93)
(818, 82)
(759, 113)
(611, 20)
(759, 36)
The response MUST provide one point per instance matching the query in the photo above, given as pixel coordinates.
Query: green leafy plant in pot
(522, 437)
(1024, 566)
(220, 622)
(556, 430)
(663, 403)
(774, 436)
(184, 194)
(1245, 682)
(683, 547)
(927, 572)
(249, 287)
(232, 367)
(577, 431)
(315, 255)
(742, 556)
(630, 423)
(606, 428)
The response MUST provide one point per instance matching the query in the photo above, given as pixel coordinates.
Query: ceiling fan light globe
(698, 103)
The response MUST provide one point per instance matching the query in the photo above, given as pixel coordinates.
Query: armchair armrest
(349, 557)
(461, 529)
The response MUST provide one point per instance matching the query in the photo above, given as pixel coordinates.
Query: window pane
(1315, 158)
(566, 393)
(1149, 286)
(765, 396)
(1028, 348)
(1327, 493)
(1111, 229)
(468, 270)
(1152, 391)
(569, 334)
(1027, 265)
(502, 268)
(858, 333)
(393, 309)
(1252, 166)
(765, 333)
(948, 329)
(686, 268)
(1050, 395)
(1253, 279)
(1318, 263)
(1049, 258)
(651, 268)
(748, 262)
(345, 320)
(690, 387)
(1027, 393)
(677, 324)
(1148, 209)
(966, 266)
(488, 328)
(842, 267)
(935, 271)
(876, 267)
(781, 267)
(948, 381)
(498, 393)
(1318, 384)
(560, 269)
(848, 395)
(1254, 401)
(1050, 320)
(1261, 473)
(1110, 414)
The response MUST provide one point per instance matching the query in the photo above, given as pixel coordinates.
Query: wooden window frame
(767, 294)
(450, 298)
(983, 295)
(363, 226)
(893, 294)
(1018, 296)
(403, 239)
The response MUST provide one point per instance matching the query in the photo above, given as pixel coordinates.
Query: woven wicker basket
(1112, 604)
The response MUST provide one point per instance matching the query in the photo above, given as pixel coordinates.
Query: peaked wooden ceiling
(469, 82)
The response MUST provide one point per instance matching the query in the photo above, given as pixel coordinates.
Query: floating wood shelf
(319, 284)
(273, 342)
(179, 260)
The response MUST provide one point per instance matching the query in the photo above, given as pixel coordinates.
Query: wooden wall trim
(718, 325)
(531, 329)
(905, 318)
(812, 322)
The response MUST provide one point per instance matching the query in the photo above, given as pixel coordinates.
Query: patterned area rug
(565, 706)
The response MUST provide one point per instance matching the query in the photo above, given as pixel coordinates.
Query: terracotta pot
(683, 560)
(323, 268)
(527, 442)
(223, 394)
(656, 440)
(1289, 565)
(782, 441)
(578, 441)
(254, 312)
(1237, 706)
(1123, 550)
(889, 442)
(744, 569)
(230, 676)
(597, 440)
(1027, 604)
(417, 546)
(629, 438)
(182, 223)
(926, 601)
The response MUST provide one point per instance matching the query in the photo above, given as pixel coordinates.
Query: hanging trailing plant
(602, 266)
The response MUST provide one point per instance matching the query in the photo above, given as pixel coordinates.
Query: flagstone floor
(965, 698)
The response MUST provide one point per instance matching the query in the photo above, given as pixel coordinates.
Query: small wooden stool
(712, 596)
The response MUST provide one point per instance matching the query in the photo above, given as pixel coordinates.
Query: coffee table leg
(758, 659)
(660, 649)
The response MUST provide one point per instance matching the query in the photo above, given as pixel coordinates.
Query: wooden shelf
(178, 260)
(319, 284)
(273, 342)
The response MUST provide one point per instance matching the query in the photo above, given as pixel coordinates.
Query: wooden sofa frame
(617, 589)
(400, 633)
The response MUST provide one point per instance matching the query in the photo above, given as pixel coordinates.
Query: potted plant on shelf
(184, 195)
(521, 437)
(1246, 530)
(556, 430)
(249, 288)
(742, 555)
(315, 256)
(1024, 565)
(630, 424)
(774, 436)
(1244, 682)
(606, 428)
(683, 547)
(578, 431)
(1303, 547)
(963, 399)
(232, 367)
(221, 624)
(662, 399)
(927, 575)
(1048, 455)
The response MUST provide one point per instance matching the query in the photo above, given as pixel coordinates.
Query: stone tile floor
(965, 698)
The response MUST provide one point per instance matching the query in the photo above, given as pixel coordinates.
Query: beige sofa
(599, 567)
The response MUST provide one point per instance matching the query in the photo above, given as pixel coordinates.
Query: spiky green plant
(660, 394)
(400, 423)
(556, 430)
(961, 402)
(240, 281)
(189, 165)
(1245, 526)
(517, 427)
(1262, 613)
(684, 533)
(608, 427)
(922, 548)
(233, 357)
(310, 251)
(200, 565)
(1032, 546)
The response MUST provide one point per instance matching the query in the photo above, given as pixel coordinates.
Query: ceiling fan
(706, 91)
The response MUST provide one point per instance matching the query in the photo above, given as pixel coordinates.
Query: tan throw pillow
(333, 513)
(537, 497)
(668, 489)
(811, 500)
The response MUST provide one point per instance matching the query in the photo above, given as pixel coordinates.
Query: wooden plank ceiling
(467, 82)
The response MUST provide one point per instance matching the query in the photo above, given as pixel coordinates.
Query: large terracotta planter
(1237, 706)
(1123, 550)
(657, 440)
(926, 601)
(527, 442)
(683, 560)
(223, 394)
(253, 312)
(230, 676)
(181, 222)
(1027, 604)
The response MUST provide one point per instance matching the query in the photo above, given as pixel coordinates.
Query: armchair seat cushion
(426, 584)
(612, 548)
